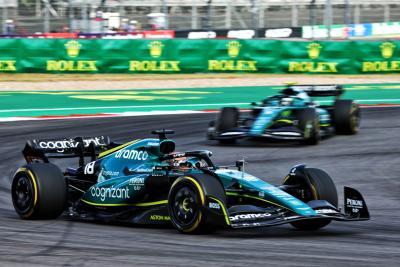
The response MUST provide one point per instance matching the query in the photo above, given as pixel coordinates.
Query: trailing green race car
(146, 182)
(290, 115)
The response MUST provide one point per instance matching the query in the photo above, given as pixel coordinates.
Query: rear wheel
(226, 120)
(321, 188)
(309, 124)
(346, 116)
(39, 191)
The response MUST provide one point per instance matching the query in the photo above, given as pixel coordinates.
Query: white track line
(127, 114)
(116, 107)
(161, 106)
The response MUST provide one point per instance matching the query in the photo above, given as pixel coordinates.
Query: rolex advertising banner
(193, 56)
(317, 57)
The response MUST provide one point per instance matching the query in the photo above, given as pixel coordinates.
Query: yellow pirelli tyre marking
(195, 225)
(285, 179)
(32, 177)
(314, 192)
(202, 200)
(199, 189)
(35, 190)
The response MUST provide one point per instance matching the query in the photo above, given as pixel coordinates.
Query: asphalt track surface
(369, 161)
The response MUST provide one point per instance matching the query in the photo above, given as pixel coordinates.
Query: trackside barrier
(191, 56)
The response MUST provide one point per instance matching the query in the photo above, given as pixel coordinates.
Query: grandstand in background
(31, 16)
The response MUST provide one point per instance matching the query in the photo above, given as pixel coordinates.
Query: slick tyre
(321, 188)
(39, 191)
(227, 119)
(346, 117)
(187, 208)
(309, 124)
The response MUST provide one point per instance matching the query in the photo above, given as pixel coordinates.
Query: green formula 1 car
(291, 115)
(147, 182)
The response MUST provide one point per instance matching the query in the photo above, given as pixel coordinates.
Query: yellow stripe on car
(284, 120)
(144, 204)
(112, 150)
(257, 198)
(223, 210)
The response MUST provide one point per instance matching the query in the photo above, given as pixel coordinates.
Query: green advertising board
(193, 56)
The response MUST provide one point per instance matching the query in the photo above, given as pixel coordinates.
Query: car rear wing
(43, 149)
(320, 90)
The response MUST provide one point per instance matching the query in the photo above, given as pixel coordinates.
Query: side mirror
(253, 103)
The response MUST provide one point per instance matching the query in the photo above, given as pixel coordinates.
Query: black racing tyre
(227, 119)
(322, 188)
(186, 206)
(309, 124)
(346, 117)
(39, 191)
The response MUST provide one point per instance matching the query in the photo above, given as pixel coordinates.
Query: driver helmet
(286, 101)
(303, 96)
(298, 93)
(185, 163)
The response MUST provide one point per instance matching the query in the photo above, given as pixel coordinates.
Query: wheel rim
(185, 206)
(23, 194)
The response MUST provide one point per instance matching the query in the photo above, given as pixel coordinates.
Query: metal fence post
(209, 25)
(261, 16)
(46, 16)
(165, 11)
(4, 19)
(85, 24)
(328, 17)
(70, 15)
(347, 17)
(295, 15)
(194, 15)
(254, 17)
(386, 13)
(228, 16)
(356, 14)
(312, 17)
(38, 10)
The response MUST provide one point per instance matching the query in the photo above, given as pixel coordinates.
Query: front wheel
(185, 203)
(346, 117)
(227, 119)
(196, 204)
(309, 124)
(321, 187)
